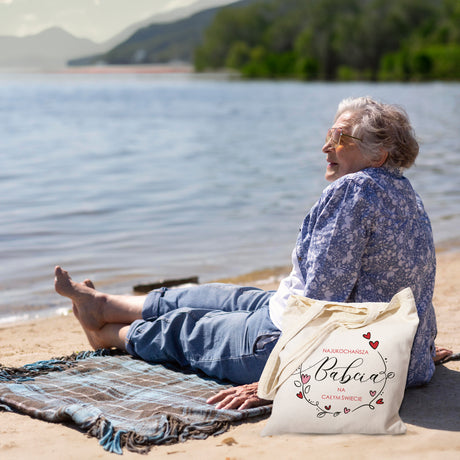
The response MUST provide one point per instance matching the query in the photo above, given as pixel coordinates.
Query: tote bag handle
(323, 317)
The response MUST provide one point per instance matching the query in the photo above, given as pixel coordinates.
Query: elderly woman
(366, 238)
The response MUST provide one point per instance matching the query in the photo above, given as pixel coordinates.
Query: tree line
(336, 40)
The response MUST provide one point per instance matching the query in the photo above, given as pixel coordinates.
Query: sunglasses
(335, 135)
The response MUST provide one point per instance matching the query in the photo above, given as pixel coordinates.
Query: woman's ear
(382, 160)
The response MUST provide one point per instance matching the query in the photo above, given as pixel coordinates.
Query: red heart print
(327, 407)
(374, 345)
(379, 401)
(346, 410)
(372, 392)
(299, 395)
(367, 336)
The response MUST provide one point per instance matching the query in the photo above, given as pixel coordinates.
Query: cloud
(29, 17)
(30, 25)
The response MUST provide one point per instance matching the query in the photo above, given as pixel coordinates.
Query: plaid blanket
(123, 401)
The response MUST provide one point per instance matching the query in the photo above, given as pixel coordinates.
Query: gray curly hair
(382, 128)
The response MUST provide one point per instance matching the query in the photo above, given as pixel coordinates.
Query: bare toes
(62, 282)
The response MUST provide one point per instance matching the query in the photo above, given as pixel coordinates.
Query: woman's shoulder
(370, 188)
(367, 180)
(347, 194)
(353, 183)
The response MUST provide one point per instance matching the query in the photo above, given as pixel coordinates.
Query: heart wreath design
(342, 369)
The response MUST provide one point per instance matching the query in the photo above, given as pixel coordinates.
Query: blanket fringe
(29, 371)
(170, 430)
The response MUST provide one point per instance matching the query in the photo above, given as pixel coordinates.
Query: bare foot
(87, 303)
(92, 336)
(88, 283)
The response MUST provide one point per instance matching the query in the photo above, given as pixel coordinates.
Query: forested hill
(336, 39)
(162, 43)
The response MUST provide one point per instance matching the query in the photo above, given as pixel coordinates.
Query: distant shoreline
(150, 68)
(180, 68)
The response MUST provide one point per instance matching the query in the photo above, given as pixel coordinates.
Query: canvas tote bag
(340, 367)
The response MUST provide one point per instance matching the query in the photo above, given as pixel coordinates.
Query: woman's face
(346, 157)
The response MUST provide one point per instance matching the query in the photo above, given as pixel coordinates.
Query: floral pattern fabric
(367, 238)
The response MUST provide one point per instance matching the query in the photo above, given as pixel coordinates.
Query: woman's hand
(441, 354)
(241, 397)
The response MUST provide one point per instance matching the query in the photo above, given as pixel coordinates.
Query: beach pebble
(229, 441)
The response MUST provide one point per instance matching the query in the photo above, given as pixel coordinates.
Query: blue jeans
(222, 330)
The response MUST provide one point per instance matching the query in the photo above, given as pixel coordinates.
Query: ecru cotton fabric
(340, 367)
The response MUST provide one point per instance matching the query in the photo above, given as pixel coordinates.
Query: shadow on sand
(436, 405)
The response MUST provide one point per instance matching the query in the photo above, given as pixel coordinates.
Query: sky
(98, 20)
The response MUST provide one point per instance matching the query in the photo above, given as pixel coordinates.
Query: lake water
(132, 178)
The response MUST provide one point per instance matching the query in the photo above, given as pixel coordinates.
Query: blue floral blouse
(366, 238)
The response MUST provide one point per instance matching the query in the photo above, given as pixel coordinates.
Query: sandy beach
(431, 413)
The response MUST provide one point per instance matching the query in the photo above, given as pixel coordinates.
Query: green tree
(330, 39)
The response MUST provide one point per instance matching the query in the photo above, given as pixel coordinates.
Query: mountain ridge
(161, 42)
(55, 47)
(50, 47)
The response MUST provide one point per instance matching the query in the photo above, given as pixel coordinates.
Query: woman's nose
(328, 146)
